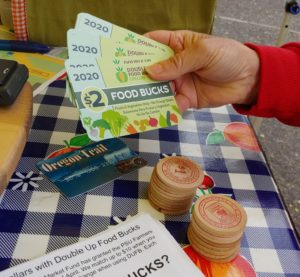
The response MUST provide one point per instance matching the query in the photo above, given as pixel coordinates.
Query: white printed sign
(139, 247)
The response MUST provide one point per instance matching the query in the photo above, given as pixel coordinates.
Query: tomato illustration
(62, 151)
(153, 121)
(241, 134)
(173, 117)
(238, 267)
(207, 183)
(74, 144)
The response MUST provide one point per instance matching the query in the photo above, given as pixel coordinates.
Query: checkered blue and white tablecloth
(35, 218)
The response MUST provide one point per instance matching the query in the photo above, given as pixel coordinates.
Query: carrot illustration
(131, 130)
(173, 118)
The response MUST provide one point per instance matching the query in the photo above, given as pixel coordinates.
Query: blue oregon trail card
(88, 167)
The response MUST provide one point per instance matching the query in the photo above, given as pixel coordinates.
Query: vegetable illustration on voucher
(115, 124)
(102, 126)
(115, 120)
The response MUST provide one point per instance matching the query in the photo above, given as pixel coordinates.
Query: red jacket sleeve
(279, 87)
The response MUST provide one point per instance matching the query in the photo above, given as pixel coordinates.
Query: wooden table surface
(15, 122)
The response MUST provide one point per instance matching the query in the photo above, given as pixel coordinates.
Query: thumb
(176, 66)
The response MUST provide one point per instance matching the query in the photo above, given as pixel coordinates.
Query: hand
(207, 71)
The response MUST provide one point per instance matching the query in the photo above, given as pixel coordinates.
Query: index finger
(162, 36)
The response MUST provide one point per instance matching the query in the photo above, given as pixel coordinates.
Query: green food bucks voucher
(108, 83)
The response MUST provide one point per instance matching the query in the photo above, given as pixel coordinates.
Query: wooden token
(212, 250)
(216, 241)
(156, 205)
(213, 239)
(220, 215)
(190, 192)
(216, 259)
(212, 256)
(217, 256)
(179, 172)
(172, 196)
(174, 193)
(167, 212)
(167, 202)
(214, 247)
(208, 252)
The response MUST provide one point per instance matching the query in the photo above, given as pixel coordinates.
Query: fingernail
(154, 69)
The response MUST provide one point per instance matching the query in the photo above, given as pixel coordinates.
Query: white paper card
(139, 247)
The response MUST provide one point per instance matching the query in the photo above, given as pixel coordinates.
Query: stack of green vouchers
(108, 84)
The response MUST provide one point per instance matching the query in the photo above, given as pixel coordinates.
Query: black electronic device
(12, 79)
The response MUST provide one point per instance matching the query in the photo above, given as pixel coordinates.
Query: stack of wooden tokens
(216, 228)
(173, 184)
